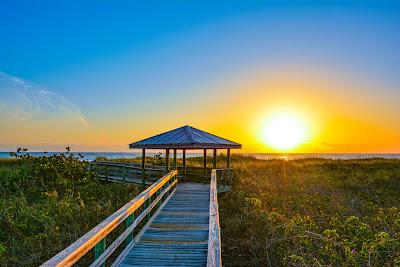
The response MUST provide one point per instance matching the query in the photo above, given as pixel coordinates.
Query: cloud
(21, 100)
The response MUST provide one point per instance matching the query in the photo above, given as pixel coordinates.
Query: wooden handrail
(214, 236)
(129, 166)
(79, 248)
(224, 169)
(128, 230)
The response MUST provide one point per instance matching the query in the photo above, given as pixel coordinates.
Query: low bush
(47, 203)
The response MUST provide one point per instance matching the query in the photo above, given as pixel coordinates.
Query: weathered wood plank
(214, 237)
(126, 250)
(178, 236)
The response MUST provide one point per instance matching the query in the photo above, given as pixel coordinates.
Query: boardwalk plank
(178, 236)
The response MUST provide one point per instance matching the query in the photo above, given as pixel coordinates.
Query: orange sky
(336, 119)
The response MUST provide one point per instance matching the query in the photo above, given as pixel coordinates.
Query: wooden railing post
(157, 194)
(107, 173)
(143, 168)
(214, 158)
(205, 161)
(124, 174)
(168, 183)
(164, 196)
(99, 249)
(228, 155)
(148, 205)
(167, 160)
(184, 161)
(128, 222)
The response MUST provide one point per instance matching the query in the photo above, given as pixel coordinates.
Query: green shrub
(48, 202)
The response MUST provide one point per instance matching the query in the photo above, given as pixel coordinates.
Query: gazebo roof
(185, 137)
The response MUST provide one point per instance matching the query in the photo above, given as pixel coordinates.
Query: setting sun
(284, 131)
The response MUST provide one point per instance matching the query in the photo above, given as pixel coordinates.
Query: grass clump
(312, 212)
(49, 202)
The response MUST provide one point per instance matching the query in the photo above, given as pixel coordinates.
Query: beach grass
(312, 212)
(307, 212)
(47, 203)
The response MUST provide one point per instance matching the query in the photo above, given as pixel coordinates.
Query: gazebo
(186, 138)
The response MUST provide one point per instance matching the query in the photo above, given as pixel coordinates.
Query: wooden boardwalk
(178, 236)
(177, 223)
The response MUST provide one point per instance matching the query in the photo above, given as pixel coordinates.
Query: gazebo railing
(154, 196)
(224, 177)
(132, 164)
(126, 172)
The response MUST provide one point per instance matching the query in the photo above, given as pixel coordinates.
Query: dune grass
(309, 212)
(312, 213)
(47, 203)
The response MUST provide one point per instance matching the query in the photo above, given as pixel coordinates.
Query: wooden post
(123, 174)
(205, 161)
(174, 158)
(215, 159)
(167, 184)
(143, 168)
(165, 195)
(167, 160)
(128, 222)
(228, 155)
(157, 194)
(184, 161)
(149, 200)
(99, 249)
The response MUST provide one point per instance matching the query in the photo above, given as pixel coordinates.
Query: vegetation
(312, 213)
(47, 203)
(279, 213)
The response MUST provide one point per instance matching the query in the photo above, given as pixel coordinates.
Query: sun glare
(284, 131)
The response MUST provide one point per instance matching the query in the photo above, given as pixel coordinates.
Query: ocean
(90, 156)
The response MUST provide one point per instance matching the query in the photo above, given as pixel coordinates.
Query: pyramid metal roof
(185, 137)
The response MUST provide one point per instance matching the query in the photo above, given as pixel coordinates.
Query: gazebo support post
(167, 160)
(228, 155)
(215, 158)
(184, 161)
(174, 158)
(205, 161)
(143, 168)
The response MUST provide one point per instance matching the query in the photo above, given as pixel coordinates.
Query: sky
(97, 75)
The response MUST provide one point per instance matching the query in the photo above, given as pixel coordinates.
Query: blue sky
(127, 59)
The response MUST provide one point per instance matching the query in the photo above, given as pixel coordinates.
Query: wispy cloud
(23, 100)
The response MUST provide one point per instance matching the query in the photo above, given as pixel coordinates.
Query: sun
(284, 130)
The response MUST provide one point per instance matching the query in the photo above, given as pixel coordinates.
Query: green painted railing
(129, 172)
(125, 172)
